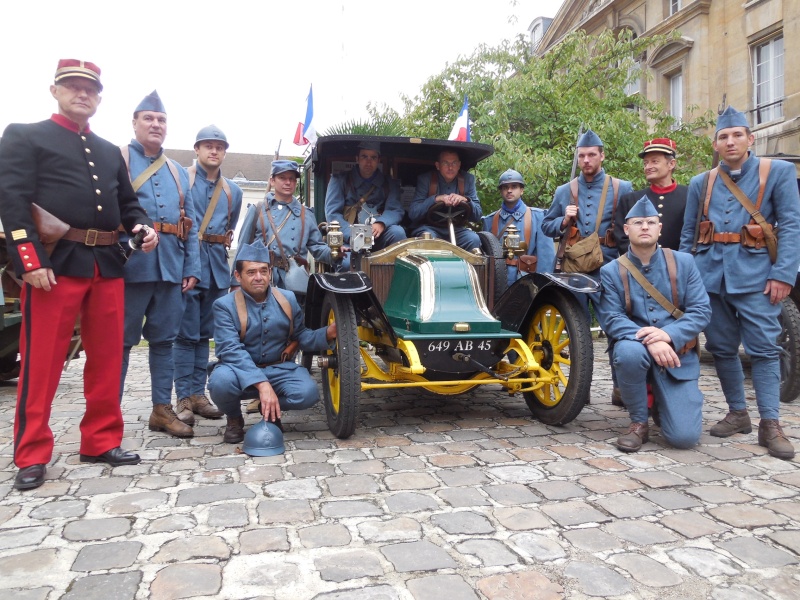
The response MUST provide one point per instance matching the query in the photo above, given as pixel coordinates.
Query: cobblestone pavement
(433, 498)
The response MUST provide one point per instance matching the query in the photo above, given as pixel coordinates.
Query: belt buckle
(91, 232)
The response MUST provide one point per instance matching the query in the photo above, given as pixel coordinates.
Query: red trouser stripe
(48, 319)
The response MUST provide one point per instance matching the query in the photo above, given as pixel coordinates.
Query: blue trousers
(680, 402)
(751, 320)
(190, 349)
(465, 238)
(151, 310)
(292, 384)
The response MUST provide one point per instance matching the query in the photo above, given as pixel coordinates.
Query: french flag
(460, 132)
(306, 134)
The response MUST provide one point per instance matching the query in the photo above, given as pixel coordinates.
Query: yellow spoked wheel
(559, 337)
(341, 379)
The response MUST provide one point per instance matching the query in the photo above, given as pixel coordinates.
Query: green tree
(382, 120)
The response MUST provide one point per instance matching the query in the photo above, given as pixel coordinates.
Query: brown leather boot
(770, 435)
(736, 421)
(638, 434)
(234, 430)
(253, 406)
(202, 406)
(184, 411)
(616, 397)
(163, 418)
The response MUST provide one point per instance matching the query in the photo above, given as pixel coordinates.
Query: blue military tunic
(383, 203)
(675, 389)
(266, 337)
(539, 245)
(588, 204)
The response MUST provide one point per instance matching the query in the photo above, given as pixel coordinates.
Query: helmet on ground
(263, 439)
(211, 133)
(510, 176)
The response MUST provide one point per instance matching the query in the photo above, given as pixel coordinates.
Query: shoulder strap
(623, 275)
(241, 311)
(709, 185)
(672, 271)
(650, 288)
(615, 187)
(764, 165)
(287, 308)
(461, 179)
(148, 172)
(496, 223)
(192, 171)
(433, 186)
(527, 223)
(602, 206)
(755, 214)
(276, 230)
(573, 191)
(174, 170)
(262, 208)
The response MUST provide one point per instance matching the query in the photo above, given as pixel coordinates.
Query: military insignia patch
(19, 234)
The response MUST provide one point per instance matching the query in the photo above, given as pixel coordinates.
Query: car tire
(789, 341)
(558, 334)
(498, 271)
(341, 379)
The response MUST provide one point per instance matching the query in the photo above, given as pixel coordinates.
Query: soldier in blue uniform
(252, 354)
(154, 282)
(652, 342)
(745, 278)
(528, 221)
(285, 227)
(365, 195)
(217, 202)
(452, 187)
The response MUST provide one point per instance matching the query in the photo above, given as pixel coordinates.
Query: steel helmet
(211, 133)
(263, 439)
(510, 176)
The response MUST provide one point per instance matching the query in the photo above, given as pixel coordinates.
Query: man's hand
(40, 278)
(150, 241)
(270, 407)
(570, 215)
(188, 283)
(330, 333)
(377, 229)
(663, 354)
(777, 290)
(650, 335)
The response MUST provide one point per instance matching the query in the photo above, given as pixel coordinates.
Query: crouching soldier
(653, 305)
(256, 330)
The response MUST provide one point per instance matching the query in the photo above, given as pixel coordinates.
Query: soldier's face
(732, 144)
(254, 278)
(210, 154)
(643, 232)
(590, 160)
(658, 167)
(367, 162)
(448, 165)
(284, 184)
(77, 97)
(511, 192)
(150, 128)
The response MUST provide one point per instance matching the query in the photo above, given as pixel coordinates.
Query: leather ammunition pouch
(706, 233)
(527, 263)
(609, 241)
(754, 236)
(184, 227)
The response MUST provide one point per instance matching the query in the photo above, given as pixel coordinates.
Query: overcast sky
(245, 66)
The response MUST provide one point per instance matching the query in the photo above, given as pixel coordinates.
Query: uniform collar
(750, 163)
(599, 178)
(140, 149)
(517, 212)
(294, 205)
(654, 260)
(67, 124)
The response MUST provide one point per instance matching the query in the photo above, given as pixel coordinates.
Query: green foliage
(382, 121)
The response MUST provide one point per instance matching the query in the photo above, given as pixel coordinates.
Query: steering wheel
(440, 214)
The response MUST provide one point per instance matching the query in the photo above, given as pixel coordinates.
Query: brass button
(91, 164)
(99, 207)
(98, 192)
(29, 264)
(94, 177)
(88, 151)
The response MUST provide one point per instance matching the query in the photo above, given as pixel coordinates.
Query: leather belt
(166, 228)
(213, 238)
(91, 237)
(727, 238)
(512, 262)
(269, 364)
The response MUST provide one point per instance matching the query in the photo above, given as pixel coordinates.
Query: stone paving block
(692, 524)
(100, 557)
(156, 482)
(737, 469)
(59, 509)
(511, 494)
(228, 515)
(134, 502)
(436, 587)
(451, 460)
(249, 473)
(351, 485)
(410, 502)
(747, 516)
(641, 533)
(39, 593)
(342, 456)
(207, 494)
(659, 479)
(401, 529)
(787, 539)
(119, 586)
(574, 512)
(647, 571)
(792, 478)
(343, 566)
(350, 508)
(766, 489)
(464, 476)
(96, 529)
(625, 506)
(407, 463)
(609, 484)
(264, 539)
(311, 470)
(362, 467)
(671, 500)
(607, 464)
(559, 490)
(521, 519)
(569, 468)
(702, 562)
(50, 489)
(756, 554)
(724, 452)
(739, 592)
(463, 497)
(418, 556)
(294, 489)
(374, 592)
(463, 523)
(193, 547)
(490, 553)
(525, 585)
(169, 523)
(103, 485)
(323, 536)
(719, 494)
(789, 509)
(284, 511)
(41, 567)
(591, 539)
(700, 474)
(493, 457)
(781, 587)
(7, 513)
(532, 454)
(595, 580)
(186, 581)
(538, 547)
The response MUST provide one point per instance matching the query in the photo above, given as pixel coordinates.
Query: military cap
(70, 67)
(731, 118)
(151, 102)
(642, 209)
(665, 145)
(376, 146)
(282, 166)
(588, 139)
(255, 252)
(211, 133)
(510, 176)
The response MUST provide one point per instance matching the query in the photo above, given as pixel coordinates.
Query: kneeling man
(653, 305)
(256, 330)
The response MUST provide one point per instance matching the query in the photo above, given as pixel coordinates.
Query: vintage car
(423, 313)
